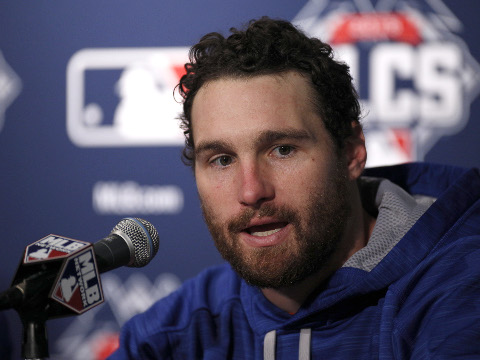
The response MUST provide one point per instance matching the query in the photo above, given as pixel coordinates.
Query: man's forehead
(279, 95)
(265, 84)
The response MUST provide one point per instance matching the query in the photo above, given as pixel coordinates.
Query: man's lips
(263, 233)
(265, 229)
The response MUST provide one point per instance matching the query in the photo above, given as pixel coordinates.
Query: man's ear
(355, 152)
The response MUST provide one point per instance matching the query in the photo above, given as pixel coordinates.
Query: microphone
(133, 242)
(58, 277)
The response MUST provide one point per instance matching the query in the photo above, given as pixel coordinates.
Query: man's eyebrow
(271, 136)
(265, 137)
(214, 146)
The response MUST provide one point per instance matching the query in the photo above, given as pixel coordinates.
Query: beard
(317, 232)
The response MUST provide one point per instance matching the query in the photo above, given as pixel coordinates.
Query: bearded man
(324, 258)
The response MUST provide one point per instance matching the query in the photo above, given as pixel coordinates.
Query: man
(324, 262)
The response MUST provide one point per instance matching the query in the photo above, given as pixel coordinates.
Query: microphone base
(35, 343)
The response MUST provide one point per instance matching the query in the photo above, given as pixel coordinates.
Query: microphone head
(141, 238)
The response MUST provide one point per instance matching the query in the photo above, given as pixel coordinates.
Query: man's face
(272, 187)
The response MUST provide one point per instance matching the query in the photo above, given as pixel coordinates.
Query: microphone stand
(34, 308)
(29, 299)
(35, 343)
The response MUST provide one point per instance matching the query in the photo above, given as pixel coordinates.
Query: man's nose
(255, 185)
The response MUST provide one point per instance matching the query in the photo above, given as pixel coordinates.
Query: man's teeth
(265, 233)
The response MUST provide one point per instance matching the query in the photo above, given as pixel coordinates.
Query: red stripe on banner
(358, 27)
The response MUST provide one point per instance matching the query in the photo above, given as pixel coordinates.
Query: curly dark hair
(268, 47)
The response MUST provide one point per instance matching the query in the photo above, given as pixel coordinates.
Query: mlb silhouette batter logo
(52, 247)
(135, 106)
(415, 77)
(78, 287)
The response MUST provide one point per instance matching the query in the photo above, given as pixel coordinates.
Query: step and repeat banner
(89, 135)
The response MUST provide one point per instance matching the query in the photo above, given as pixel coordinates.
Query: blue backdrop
(88, 132)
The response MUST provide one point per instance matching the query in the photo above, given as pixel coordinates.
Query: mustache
(282, 214)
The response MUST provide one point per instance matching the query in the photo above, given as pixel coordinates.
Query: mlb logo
(52, 247)
(124, 97)
(415, 77)
(78, 287)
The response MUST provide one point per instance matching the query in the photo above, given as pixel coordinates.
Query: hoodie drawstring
(304, 344)
(269, 344)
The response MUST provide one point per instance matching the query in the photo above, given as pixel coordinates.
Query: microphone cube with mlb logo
(66, 269)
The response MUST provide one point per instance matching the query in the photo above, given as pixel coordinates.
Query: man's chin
(269, 267)
(263, 281)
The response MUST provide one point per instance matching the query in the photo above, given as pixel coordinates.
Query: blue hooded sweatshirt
(412, 293)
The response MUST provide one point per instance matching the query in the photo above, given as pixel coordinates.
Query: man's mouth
(266, 229)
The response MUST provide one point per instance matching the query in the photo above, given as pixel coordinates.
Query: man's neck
(291, 298)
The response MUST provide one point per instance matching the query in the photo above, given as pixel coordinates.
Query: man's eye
(223, 160)
(284, 150)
